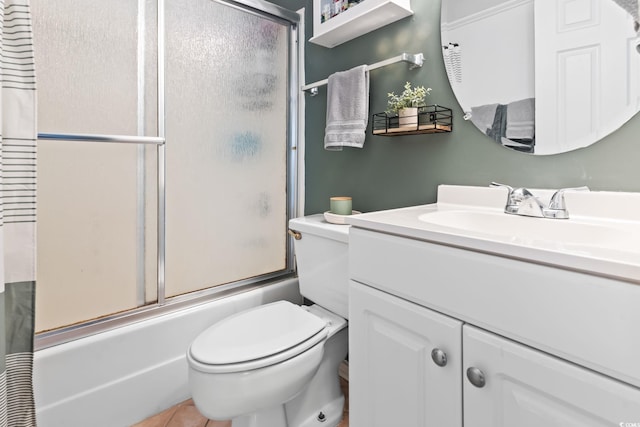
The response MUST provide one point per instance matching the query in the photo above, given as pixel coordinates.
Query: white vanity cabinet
(525, 387)
(513, 359)
(393, 379)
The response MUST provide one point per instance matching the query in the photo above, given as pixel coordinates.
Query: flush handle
(476, 377)
(439, 357)
(295, 234)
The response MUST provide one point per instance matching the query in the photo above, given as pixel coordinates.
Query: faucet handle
(557, 200)
(557, 206)
(498, 185)
(508, 187)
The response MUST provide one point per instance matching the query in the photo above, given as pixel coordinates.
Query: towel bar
(415, 61)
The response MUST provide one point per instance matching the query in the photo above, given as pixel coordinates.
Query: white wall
(120, 377)
(497, 52)
(458, 9)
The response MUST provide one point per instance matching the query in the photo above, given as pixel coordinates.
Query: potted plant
(406, 104)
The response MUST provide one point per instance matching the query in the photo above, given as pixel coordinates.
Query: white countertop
(615, 213)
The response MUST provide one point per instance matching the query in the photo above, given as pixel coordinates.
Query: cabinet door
(527, 388)
(393, 380)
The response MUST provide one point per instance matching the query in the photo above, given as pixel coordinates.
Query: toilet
(276, 365)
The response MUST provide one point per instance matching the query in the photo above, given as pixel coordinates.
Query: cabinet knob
(476, 377)
(439, 357)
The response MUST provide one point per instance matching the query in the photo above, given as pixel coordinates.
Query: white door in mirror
(586, 73)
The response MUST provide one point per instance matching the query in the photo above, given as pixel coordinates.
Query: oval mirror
(547, 76)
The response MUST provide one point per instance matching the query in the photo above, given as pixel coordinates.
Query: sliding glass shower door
(226, 129)
(196, 197)
(96, 201)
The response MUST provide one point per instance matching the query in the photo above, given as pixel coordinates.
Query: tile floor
(186, 414)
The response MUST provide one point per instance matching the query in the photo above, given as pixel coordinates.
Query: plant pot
(408, 117)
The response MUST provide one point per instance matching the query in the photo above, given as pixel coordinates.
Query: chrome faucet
(557, 206)
(521, 201)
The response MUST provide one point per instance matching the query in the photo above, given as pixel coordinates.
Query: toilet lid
(257, 333)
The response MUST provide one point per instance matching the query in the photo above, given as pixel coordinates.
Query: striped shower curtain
(17, 214)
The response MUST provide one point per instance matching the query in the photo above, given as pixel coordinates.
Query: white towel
(483, 116)
(347, 109)
(521, 119)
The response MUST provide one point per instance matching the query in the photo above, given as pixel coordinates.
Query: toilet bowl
(276, 365)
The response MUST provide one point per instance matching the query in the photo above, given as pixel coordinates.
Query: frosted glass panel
(87, 204)
(97, 219)
(87, 65)
(150, 87)
(226, 101)
(226, 90)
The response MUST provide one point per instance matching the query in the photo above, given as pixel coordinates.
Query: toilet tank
(323, 264)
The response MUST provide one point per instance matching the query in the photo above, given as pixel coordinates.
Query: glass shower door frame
(163, 304)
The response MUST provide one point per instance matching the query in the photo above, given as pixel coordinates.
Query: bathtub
(120, 377)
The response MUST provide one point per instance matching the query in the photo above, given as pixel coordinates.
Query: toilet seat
(256, 338)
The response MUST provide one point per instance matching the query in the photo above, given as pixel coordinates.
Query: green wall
(401, 171)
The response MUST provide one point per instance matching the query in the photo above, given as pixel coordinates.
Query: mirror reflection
(546, 76)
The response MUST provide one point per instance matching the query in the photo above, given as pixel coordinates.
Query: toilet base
(332, 413)
(324, 394)
(272, 417)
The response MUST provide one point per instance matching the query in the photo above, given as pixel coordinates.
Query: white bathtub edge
(123, 376)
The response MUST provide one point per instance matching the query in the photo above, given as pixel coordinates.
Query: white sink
(570, 234)
(601, 236)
